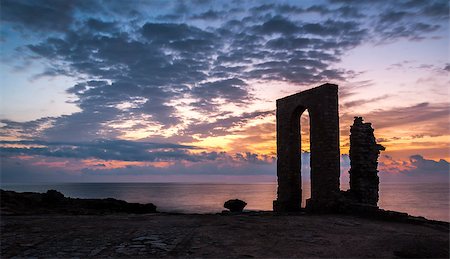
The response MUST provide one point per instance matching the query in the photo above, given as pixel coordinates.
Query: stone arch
(322, 105)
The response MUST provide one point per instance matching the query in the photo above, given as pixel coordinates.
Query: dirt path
(245, 235)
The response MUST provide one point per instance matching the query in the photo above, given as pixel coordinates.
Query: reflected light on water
(428, 200)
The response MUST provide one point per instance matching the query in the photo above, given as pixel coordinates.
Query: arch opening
(305, 151)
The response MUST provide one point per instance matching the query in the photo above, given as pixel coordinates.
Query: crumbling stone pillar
(364, 152)
(322, 105)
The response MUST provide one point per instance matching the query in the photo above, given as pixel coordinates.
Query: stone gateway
(322, 105)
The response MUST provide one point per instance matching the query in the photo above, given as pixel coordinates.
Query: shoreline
(53, 202)
(88, 233)
(432, 203)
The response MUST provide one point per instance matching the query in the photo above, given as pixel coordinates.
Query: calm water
(428, 200)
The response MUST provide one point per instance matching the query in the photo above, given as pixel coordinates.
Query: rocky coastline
(54, 202)
(99, 228)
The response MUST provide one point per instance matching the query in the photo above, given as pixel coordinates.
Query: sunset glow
(167, 88)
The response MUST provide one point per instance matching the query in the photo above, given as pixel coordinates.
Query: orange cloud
(113, 164)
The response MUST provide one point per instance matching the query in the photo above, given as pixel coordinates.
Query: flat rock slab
(242, 235)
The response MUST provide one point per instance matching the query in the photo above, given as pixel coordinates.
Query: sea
(430, 200)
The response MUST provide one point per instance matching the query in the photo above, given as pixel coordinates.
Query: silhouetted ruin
(322, 105)
(364, 152)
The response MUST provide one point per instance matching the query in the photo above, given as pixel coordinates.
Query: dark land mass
(66, 233)
(51, 202)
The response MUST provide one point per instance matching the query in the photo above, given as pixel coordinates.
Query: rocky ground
(261, 234)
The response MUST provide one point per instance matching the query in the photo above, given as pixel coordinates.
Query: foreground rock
(29, 203)
(235, 205)
(259, 235)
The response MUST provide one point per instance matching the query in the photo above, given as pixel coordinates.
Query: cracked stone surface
(194, 236)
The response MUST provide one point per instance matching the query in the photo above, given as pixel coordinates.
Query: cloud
(100, 26)
(437, 9)
(224, 126)
(334, 28)
(208, 15)
(64, 169)
(417, 168)
(350, 12)
(101, 143)
(447, 67)
(53, 161)
(58, 16)
(25, 130)
(220, 164)
(46, 15)
(427, 166)
(392, 24)
(169, 31)
(24, 171)
(419, 113)
(159, 63)
(419, 119)
(222, 168)
(278, 25)
(364, 101)
(121, 150)
(229, 90)
(101, 149)
(174, 71)
(48, 169)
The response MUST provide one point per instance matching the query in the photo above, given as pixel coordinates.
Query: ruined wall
(364, 152)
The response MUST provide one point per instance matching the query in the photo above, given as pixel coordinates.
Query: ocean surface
(430, 200)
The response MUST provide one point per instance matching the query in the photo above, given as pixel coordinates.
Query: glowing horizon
(163, 88)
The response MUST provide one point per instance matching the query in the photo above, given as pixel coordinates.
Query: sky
(184, 91)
